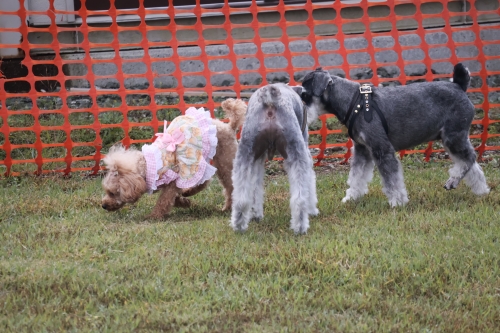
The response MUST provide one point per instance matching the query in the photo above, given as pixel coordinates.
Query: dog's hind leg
(313, 198)
(224, 160)
(361, 173)
(302, 180)
(258, 194)
(476, 181)
(227, 184)
(465, 165)
(391, 173)
(247, 197)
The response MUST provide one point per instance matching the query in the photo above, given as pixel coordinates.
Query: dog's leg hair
(246, 178)
(465, 165)
(223, 161)
(300, 176)
(391, 173)
(313, 198)
(165, 201)
(258, 194)
(476, 181)
(227, 183)
(361, 173)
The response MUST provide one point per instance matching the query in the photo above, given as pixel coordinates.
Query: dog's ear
(321, 80)
(316, 82)
(132, 186)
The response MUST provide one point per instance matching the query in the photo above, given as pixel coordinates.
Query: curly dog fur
(125, 181)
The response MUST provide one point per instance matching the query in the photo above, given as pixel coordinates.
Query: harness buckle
(365, 89)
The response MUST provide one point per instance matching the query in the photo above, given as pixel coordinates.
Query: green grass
(432, 266)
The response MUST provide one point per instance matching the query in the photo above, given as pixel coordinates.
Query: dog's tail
(270, 137)
(235, 109)
(461, 76)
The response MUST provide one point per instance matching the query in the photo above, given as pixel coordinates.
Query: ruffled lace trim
(154, 163)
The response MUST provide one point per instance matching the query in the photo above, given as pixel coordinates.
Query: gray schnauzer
(405, 116)
(275, 121)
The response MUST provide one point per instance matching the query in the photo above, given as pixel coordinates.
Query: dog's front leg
(165, 201)
(361, 173)
(392, 176)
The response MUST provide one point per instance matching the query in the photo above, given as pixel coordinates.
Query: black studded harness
(363, 103)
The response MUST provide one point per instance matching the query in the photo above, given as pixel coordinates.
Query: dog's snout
(104, 206)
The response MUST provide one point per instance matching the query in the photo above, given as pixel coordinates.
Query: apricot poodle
(177, 163)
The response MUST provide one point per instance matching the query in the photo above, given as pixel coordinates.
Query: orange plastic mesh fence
(117, 74)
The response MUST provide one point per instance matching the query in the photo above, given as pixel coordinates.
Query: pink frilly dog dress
(182, 153)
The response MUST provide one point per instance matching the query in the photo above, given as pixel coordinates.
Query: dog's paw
(300, 224)
(354, 193)
(257, 218)
(481, 190)
(239, 222)
(182, 202)
(398, 202)
(239, 228)
(155, 217)
(302, 230)
(347, 198)
(314, 212)
(451, 183)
